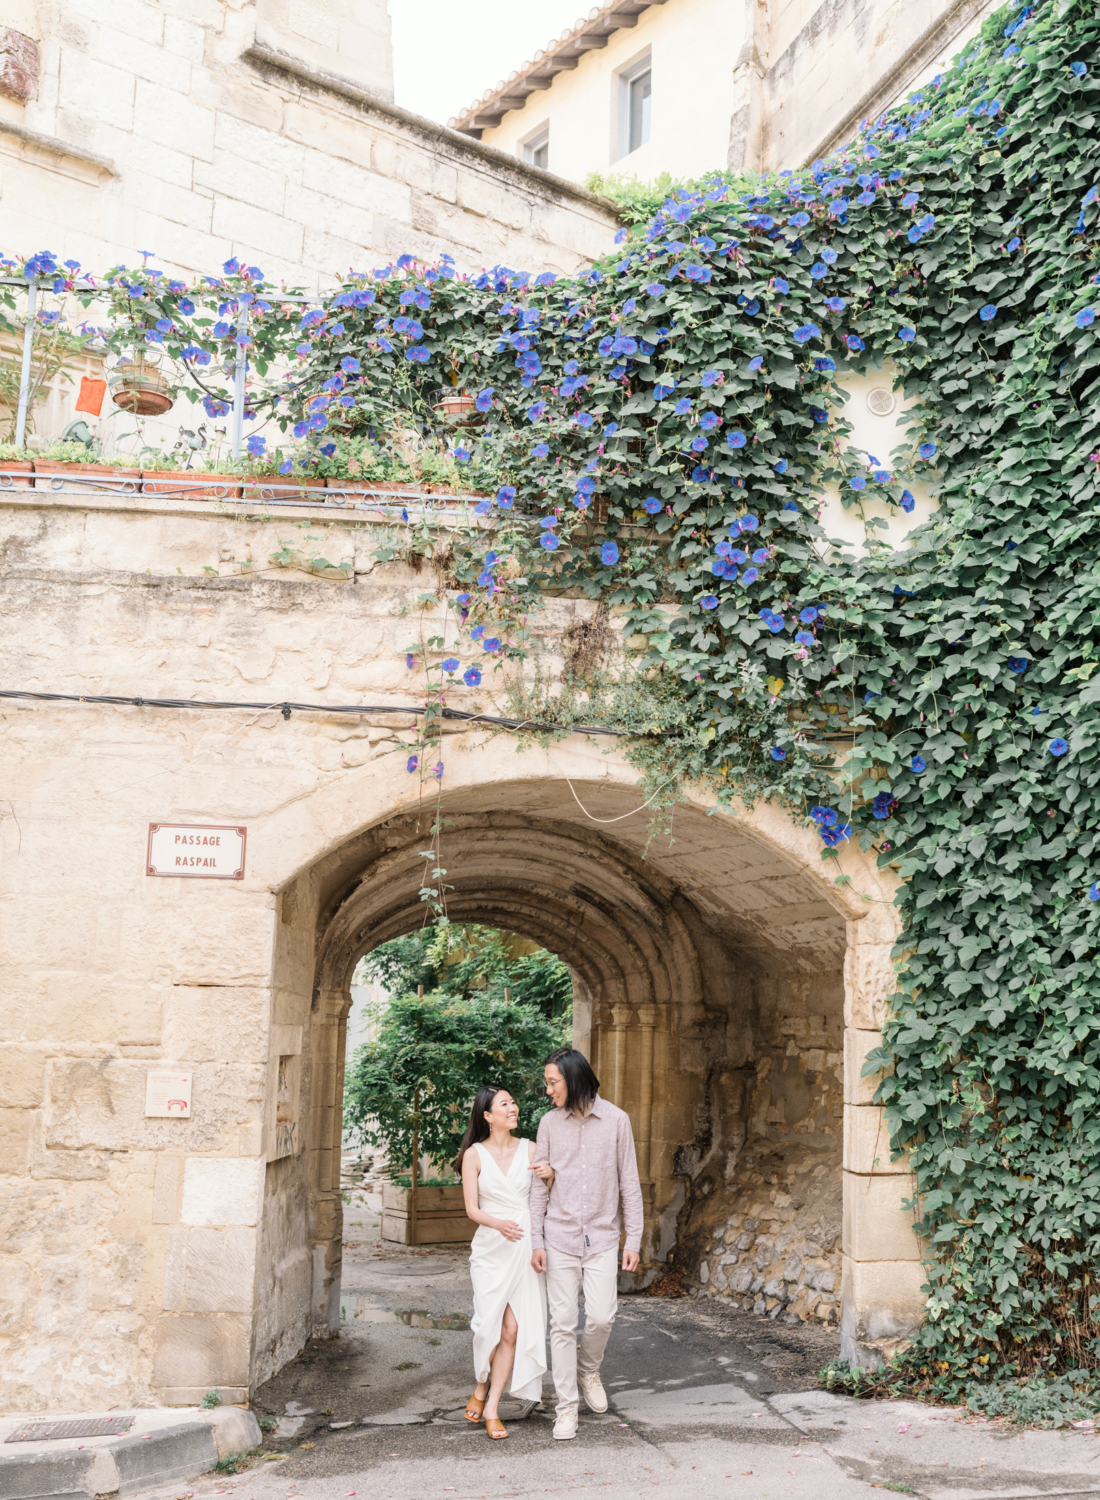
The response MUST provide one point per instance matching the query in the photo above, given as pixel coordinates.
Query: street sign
(206, 851)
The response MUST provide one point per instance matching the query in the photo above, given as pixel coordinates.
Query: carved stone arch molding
(723, 972)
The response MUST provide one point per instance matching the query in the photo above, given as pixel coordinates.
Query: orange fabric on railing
(90, 397)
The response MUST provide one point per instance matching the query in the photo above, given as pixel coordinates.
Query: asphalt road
(705, 1402)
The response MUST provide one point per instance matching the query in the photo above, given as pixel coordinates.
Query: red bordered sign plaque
(196, 851)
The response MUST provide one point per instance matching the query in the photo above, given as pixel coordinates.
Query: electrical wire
(287, 708)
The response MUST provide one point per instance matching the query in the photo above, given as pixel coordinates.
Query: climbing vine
(667, 429)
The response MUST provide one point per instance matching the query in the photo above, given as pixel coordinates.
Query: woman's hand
(544, 1170)
(510, 1229)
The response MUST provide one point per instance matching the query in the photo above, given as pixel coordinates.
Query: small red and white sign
(168, 1094)
(206, 851)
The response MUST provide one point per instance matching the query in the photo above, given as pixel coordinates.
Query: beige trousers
(598, 1273)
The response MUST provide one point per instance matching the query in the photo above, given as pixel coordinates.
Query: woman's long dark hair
(478, 1128)
(581, 1084)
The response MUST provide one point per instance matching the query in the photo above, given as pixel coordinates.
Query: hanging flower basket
(140, 389)
(457, 407)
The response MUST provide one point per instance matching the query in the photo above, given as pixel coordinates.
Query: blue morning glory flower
(988, 312)
(775, 624)
(549, 541)
(735, 554)
(835, 305)
(778, 753)
(736, 438)
(1078, 69)
(535, 412)
(781, 466)
(652, 505)
(866, 198)
(818, 270)
(854, 342)
(505, 495)
(412, 763)
(808, 615)
(584, 419)
(757, 363)
(799, 220)
(926, 450)
(484, 399)
(806, 332)
(907, 501)
(748, 523)
(1017, 664)
(824, 817)
(1013, 244)
(824, 366)
(881, 476)
(418, 354)
(482, 508)
(804, 637)
(709, 421)
(907, 335)
(750, 575)
(917, 764)
(1085, 317)
(709, 601)
(655, 289)
(710, 377)
(682, 407)
(781, 286)
(1058, 747)
(609, 554)
(540, 450)
(490, 643)
(451, 664)
(858, 483)
(661, 391)
(472, 676)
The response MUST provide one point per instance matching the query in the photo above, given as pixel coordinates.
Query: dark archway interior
(708, 992)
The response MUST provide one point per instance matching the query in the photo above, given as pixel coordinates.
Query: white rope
(621, 816)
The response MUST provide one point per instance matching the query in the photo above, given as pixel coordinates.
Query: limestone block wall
(153, 1259)
(263, 130)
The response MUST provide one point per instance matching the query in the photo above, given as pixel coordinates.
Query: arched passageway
(718, 973)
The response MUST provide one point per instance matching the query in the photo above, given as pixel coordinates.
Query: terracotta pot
(51, 475)
(146, 395)
(185, 485)
(283, 487)
(15, 474)
(457, 406)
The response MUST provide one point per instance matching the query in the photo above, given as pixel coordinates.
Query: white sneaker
(592, 1390)
(566, 1425)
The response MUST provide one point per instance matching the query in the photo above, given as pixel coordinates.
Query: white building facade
(641, 87)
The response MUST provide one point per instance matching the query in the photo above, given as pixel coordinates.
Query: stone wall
(151, 1259)
(263, 130)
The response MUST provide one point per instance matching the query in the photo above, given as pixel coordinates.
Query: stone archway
(720, 975)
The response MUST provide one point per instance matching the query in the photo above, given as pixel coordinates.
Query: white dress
(502, 1274)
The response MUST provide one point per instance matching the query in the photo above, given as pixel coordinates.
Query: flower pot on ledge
(425, 1215)
(50, 474)
(15, 474)
(185, 485)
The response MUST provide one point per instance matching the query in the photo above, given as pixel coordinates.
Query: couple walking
(548, 1217)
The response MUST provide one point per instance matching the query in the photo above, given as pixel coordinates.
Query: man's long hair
(581, 1084)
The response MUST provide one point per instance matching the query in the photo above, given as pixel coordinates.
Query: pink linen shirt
(594, 1164)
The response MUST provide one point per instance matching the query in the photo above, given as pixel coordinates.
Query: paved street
(704, 1403)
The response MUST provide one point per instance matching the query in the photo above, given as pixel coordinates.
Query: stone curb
(176, 1445)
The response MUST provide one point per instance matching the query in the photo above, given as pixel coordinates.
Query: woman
(509, 1321)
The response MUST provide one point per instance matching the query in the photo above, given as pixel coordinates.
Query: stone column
(325, 1126)
(614, 1039)
(881, 1263)
(648, 1016)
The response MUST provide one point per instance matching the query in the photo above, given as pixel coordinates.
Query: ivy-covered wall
(666, 428)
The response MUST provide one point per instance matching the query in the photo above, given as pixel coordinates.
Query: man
(575, 1232)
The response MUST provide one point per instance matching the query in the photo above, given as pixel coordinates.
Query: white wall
(693, 45)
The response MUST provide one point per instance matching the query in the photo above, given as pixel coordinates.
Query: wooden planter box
(440, 1217)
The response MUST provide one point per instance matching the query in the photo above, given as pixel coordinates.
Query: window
(635, 105)
(640, 91)
(536, 150)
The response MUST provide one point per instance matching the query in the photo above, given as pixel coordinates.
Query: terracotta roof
(587, 35)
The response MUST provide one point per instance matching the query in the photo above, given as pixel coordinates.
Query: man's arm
(630, 1190)
(538, 1187)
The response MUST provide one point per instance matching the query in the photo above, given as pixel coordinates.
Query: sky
(446, 53)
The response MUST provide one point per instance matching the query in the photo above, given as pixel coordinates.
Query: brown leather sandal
(495, 1428)
(474, 1407)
